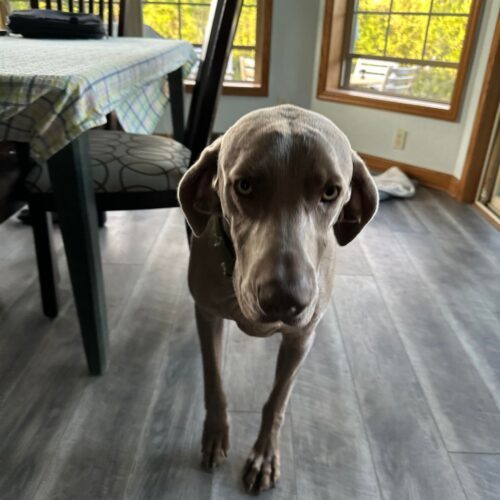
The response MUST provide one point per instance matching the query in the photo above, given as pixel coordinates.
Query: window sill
(237, 89)
(389, 103)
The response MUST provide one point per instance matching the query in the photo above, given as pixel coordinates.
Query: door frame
(483, 125)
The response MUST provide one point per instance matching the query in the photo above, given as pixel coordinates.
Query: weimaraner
(266, 202)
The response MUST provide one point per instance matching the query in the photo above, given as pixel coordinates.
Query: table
(51, 92)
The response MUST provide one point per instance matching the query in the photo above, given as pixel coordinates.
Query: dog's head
(282, 178)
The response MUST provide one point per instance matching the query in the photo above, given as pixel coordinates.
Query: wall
(435, 144)
(295, 48)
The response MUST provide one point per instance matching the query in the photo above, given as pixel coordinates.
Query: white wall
(436, 144)
(295, 49)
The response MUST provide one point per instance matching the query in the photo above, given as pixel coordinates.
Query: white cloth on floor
(394, 183)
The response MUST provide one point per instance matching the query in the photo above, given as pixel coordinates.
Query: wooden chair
(116, 151)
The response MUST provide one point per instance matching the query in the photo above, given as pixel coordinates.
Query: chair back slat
(110, 18)
(70, 4)
(91, 6)
(101, 9)
(215, 54)
(59, 5)
(121, 17)
(81, 7)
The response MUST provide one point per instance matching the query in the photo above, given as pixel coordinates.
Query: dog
(266, 202)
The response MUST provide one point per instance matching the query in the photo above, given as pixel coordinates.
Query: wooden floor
(399, 398)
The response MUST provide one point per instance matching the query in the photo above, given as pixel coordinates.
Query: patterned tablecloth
(53, 90)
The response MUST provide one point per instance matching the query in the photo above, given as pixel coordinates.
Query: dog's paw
(215, 442)
(261, 471)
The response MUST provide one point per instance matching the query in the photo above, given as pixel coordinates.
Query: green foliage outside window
(420, 30)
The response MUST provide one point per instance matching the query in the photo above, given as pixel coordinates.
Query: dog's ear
(361, 206)
(197, 196)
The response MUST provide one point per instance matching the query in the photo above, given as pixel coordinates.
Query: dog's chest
(208, 282)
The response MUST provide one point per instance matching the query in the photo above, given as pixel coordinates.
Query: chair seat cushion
(123, 162)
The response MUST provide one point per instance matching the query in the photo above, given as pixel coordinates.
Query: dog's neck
(223, 241)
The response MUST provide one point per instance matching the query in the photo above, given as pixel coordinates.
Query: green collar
(222, 240)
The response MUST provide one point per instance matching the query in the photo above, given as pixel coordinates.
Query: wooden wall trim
(483, 125)
(427, 177)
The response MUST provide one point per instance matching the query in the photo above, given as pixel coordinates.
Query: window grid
(427, 30)
(389, 13)
(388, 27)
(351, 55)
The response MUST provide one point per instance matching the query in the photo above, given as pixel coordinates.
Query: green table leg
(72, 184)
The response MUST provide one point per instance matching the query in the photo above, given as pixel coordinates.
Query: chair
(104, 9)
(247, 69)
(371, 70)
(398, 80)
(120, 186)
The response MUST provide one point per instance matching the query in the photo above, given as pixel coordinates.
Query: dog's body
(262, 202)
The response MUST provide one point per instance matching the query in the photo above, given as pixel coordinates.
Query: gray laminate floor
(400, 397)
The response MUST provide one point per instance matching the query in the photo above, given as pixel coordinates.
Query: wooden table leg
(176, 90)
(69, 172)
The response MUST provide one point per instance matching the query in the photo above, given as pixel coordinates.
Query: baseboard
(427, 177)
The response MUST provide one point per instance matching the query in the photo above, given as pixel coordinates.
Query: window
(403, 55)
(248, 66)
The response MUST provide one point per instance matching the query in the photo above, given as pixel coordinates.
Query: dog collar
(222, 241)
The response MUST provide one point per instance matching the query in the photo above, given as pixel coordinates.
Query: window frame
(260, 88)
(334, 47)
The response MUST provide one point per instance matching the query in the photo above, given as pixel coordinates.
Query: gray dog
(266, 202)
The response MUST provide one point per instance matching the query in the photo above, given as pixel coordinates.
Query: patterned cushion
(124, 162)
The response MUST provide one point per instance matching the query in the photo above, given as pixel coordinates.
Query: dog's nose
(282, 303)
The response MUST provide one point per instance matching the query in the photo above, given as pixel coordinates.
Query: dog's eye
(243, 187)
(330, 193)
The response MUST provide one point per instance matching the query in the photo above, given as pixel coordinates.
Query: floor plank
(409, 456)
(227, 481)
(249, 366)
(479, 474)
(350, 260)
(145, 226)
(464, 408)
(331, 449)
(109, 416)
(455, 270)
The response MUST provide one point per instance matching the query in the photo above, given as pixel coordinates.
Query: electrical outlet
(399, 140)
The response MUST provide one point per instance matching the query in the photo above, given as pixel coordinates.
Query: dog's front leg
(215, 440)
(262, 469)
